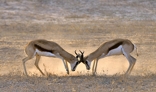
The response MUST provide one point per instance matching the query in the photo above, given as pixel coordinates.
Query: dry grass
(87, 83)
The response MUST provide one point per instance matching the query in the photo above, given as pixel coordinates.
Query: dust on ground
(78, 25)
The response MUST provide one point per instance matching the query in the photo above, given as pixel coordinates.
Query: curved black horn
(81, 52)
(75, 52)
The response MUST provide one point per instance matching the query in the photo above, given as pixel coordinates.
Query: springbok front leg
(64, 63)
(93, 67)
(67, 67)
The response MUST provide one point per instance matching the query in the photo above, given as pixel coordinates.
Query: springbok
(113, 47)
(46, 48)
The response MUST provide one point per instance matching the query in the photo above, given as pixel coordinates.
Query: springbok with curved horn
(46, 48)
(113, 47)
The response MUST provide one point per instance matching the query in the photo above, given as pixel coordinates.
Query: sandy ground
(78, 25)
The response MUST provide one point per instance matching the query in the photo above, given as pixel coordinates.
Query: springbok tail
(136, 49)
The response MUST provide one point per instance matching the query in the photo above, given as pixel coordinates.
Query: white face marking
(115, 51)
(48, 54)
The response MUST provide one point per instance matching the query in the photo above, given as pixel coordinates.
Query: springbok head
(79, 58)
(82, 59)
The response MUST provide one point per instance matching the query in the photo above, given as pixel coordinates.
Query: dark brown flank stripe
(115, 46)
(42, 49)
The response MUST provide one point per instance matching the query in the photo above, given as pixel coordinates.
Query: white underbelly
(116, 51)
(48, 54)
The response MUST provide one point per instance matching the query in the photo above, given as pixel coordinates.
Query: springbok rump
(113, 47)
(46, 48)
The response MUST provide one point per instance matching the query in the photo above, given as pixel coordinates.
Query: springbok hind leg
(133, 60)
(36, 64)
(130, 66)
(127, 55)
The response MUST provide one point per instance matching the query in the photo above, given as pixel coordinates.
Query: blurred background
(77, 25)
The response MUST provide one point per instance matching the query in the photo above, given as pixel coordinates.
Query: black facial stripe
(42, 49)
(76, 65)
(115, 46)
(77, 56)
(87, 64)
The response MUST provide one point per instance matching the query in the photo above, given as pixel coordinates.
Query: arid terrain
(77, 25)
